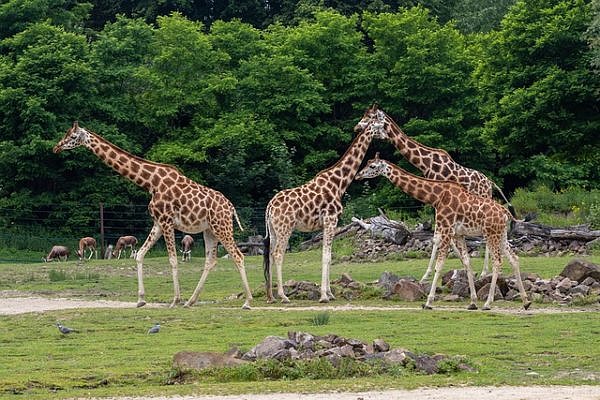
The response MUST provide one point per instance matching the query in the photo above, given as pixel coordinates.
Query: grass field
(112, 354)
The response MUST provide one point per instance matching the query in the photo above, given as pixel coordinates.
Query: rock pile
(334, 348)
(578, 280)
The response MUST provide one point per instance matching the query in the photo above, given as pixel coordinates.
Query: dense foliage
(250, 97)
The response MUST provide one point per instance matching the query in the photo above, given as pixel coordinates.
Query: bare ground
(11, 303)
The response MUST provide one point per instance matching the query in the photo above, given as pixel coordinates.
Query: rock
(407, 290)
(426, 364)
(589, 281)
(267, 348)
(578, 270)
(482, 293)
(380, 345)
(580, 289)
(397, 356)
(201, 360)
(451, 297)
(564, 285)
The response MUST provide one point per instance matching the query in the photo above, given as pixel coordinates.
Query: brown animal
(57, 253)
(122, 243)
(177, 202)
(87, 243)
(186, 248)
(458, 213)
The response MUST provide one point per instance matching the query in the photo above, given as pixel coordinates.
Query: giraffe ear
(75, 124)
(375, 106)
(377, 156)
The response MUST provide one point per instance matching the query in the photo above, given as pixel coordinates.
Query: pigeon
(63, 329)
(154, 329)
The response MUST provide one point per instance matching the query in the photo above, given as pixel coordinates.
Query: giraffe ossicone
(177, 203)
(458, 213)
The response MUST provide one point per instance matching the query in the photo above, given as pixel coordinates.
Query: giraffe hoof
(472, 306)
(526, 305)
(285, 300)
(324, 300)
(486, 308)
(426, 307)
(246, 306)
(141, 303)
(187, 304)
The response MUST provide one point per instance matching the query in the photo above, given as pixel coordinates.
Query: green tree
(539, 96)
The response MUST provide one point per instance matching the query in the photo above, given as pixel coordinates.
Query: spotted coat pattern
(459, 213)
(313, 206)
(176, 202)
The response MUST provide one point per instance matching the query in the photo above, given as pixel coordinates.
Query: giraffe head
(74, 137)
(374, 167)
(373, 122)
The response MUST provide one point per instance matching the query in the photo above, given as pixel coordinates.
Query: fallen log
(383, 227)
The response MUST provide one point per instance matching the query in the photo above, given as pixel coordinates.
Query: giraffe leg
(460, 247)
(278, 252)
(497, 266)
(513, 259)
(155, 234)
(439, 265)
(210, 251)
(169, 235)
(486, 261)
(329, 224)
(434, 250)
(238, 258)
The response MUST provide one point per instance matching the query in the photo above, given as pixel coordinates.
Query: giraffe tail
(510, 207)
(237, 218)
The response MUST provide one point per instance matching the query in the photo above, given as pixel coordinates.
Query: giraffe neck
(142, 172)
(417, 154)
(340, 175)
(425, 190)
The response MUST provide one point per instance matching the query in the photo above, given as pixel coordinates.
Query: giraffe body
(176, 202)
(435, 164)
(459, 213)
(316, 205)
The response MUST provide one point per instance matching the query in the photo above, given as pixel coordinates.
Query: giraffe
(458, 213)
(435, 164)
(313, 206)
(176, 202)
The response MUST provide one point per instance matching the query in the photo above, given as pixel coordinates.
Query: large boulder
(408, 290)
(578, 270)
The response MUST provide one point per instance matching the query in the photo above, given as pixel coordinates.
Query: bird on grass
(154, 329)
(63, 329)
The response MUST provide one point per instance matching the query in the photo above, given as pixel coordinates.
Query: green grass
(112, 354)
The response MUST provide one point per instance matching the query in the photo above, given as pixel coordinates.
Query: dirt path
(11, 304)
(454, 393)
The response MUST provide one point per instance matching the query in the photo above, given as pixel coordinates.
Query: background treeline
(252, 96)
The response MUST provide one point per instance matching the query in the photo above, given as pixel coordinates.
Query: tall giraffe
(435, 164)
(176, 202)
(458, 213)
(313, 206)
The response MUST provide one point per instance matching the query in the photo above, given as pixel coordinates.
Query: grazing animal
(87, 243)
(176, 202)
(313, 206)
(435, 164)
(458, 213)
(122, 243)
(57, 253)
(186, 248)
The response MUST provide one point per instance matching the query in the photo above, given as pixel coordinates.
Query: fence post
(101, 228)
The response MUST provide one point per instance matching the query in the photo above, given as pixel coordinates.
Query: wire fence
(29, 234)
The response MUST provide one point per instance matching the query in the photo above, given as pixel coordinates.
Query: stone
(578, 270)
(564, 285)
(589, 281)
(408, 291)
(380, 345)
(265, 349)
(580, 289)
(426, 364)
(482, 293)
(451, 297)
